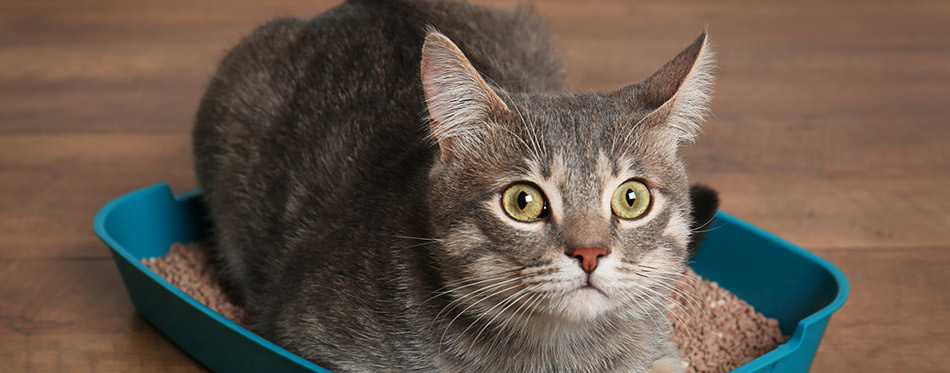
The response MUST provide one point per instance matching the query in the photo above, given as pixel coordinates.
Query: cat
(409, 186)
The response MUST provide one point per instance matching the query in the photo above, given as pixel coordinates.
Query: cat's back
(351, 75)
(303, 112)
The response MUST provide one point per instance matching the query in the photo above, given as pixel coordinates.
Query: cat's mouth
(583, 302)
(588, 287)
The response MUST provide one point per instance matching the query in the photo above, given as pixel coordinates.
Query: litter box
(779, 279)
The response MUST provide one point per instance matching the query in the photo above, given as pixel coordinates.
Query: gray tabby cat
(407, 186)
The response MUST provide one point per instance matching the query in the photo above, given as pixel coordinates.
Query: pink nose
(587, 256)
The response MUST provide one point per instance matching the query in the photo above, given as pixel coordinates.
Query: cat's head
(567, 205)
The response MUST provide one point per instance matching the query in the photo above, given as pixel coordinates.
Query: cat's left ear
(677, 95)
(460, 102)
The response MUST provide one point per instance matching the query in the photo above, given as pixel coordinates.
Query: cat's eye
(631, 200)
(524, 202)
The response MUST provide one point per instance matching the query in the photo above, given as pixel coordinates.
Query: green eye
(524, 202)
(631, 200)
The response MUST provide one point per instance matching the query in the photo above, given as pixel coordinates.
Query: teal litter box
(779, 279)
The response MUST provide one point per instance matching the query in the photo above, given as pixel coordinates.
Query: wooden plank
(74, 316)
(53, 185)
(896, 318)
(105, 65)
(158, 56)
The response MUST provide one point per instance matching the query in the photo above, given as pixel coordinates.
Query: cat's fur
(353, 164)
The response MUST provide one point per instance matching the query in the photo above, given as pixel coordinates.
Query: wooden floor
(831, 129)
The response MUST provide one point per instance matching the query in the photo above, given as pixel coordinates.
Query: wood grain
(896, 315)
(829, 129)
(72, 315)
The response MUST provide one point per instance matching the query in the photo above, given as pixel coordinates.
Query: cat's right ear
(676, 97)
(459, 101)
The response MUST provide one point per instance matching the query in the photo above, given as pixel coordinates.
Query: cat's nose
(587, 256)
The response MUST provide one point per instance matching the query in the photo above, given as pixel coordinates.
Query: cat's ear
(459, 101)
(677, 95)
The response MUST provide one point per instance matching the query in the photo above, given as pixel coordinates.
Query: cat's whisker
(493, 283)
(450, 288)
(692, 344)
(481, 290)
(673, 277)
(642, 297)
(536, 148)
(541, 271)
(461, 298)
(705, 230)
(626, 138)
(680, 278)
(672, 302)
(527, 147)
(529, 292)
(510, 300)
(665, 307)
(632, 271)
(666, 303)
(533, 136)
(517, 314)
(532, 308)
(657, 293)
(670, 275)
(690, 300)
(425, 241)
(699, 229)
(413, 246)
(420, 238)
(523, 305)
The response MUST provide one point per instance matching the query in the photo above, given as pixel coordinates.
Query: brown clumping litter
(189, 268)
(714, 330)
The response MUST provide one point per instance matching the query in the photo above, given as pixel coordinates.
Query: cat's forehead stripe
(586, 185)
(606, 168)
(551, 183)
(607, 174)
